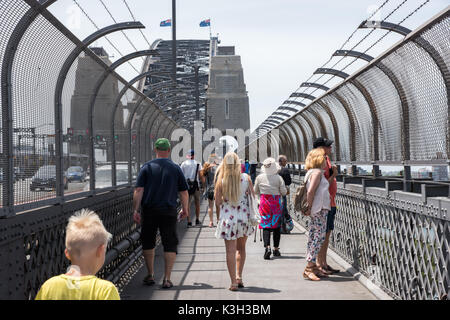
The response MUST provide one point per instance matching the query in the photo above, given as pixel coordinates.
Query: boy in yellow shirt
(86, 241)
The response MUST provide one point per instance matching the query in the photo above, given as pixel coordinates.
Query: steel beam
(353, 54)
(302, 95)
(333, 72)
(294, 102)
(314, 85)
(386, 26)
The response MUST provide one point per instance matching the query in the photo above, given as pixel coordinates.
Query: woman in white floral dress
(231, 192)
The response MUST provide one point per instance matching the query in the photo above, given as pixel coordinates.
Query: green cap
(162, 144)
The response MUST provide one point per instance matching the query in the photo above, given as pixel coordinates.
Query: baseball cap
(162, 144)
(191, 152)
(322, 142)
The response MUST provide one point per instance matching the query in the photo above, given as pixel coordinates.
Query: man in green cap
(158, 185)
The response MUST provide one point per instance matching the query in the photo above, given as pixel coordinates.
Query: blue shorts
(330, 219)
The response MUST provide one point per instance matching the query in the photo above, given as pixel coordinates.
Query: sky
(280, 42)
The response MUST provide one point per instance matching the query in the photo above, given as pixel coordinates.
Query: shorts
(164, 220)
(330, 219)
(195, 196)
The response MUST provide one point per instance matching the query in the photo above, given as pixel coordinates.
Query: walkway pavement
(200, 272)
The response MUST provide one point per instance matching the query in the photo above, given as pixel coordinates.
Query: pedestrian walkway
(200, 271)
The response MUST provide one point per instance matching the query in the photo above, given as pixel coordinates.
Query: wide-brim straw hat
(270, 166)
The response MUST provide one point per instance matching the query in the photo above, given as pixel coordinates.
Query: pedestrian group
(232, 189)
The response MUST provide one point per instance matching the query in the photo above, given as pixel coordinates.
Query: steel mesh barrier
(395, 109)
(395, 239)
(63, 147)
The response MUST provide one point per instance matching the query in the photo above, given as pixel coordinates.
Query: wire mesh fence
(68, 130)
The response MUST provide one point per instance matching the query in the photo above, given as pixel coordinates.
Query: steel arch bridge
(393, 111)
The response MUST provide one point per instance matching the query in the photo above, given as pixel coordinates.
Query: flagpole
(210, 34)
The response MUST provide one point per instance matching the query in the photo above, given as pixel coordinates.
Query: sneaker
(276, 253)
(197, 222)
(189, 224)
(267, 254)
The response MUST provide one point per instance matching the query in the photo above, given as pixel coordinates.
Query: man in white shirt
(191, 169)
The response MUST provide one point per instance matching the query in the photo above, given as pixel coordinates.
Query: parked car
(45, 178)
(76, 173)
(103, 176)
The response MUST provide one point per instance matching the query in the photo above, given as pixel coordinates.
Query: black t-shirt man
(161, 179)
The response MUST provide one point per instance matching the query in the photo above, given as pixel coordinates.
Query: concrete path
(200, 272)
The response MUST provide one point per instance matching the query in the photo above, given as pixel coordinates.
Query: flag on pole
(166, 23)
(205, 23)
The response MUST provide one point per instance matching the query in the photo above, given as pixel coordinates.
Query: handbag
(193, 185)
(255, 217)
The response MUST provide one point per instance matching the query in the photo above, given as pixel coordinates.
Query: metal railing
(399, 240)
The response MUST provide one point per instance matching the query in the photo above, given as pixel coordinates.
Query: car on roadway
(45, 178)
(103, 176)
(76, 173)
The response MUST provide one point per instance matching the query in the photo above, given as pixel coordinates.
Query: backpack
(300, 202)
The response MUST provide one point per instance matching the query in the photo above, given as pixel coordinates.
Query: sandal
(149, 280)
(240, 283)
(310, 274)
(234, 287)
(330, 269)
(322, 272)
(211, 225)
(167, 284)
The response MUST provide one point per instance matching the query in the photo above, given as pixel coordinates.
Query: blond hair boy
(86, 241)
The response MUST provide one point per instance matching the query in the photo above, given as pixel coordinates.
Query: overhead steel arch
(290, 142)
(287, 115)
(301, 144)
(112, 122)
(310, 124)
(314, 85)
(305, 136)
(302, 95)
(294, 102)
(386, 26)
(333, 72)
(353, 54)
(287, 108)
(276, 118)
(335, 128)
(295, 141)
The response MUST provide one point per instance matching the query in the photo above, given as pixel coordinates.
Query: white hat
(270, 166)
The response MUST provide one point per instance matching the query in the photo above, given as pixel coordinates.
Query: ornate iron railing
(399, 240)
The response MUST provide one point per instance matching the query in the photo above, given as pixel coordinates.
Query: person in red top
(330, 174)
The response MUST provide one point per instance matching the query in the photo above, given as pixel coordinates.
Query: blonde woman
(231, 191)
(318, 198)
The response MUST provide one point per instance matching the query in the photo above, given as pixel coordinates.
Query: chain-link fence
(74, 134)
